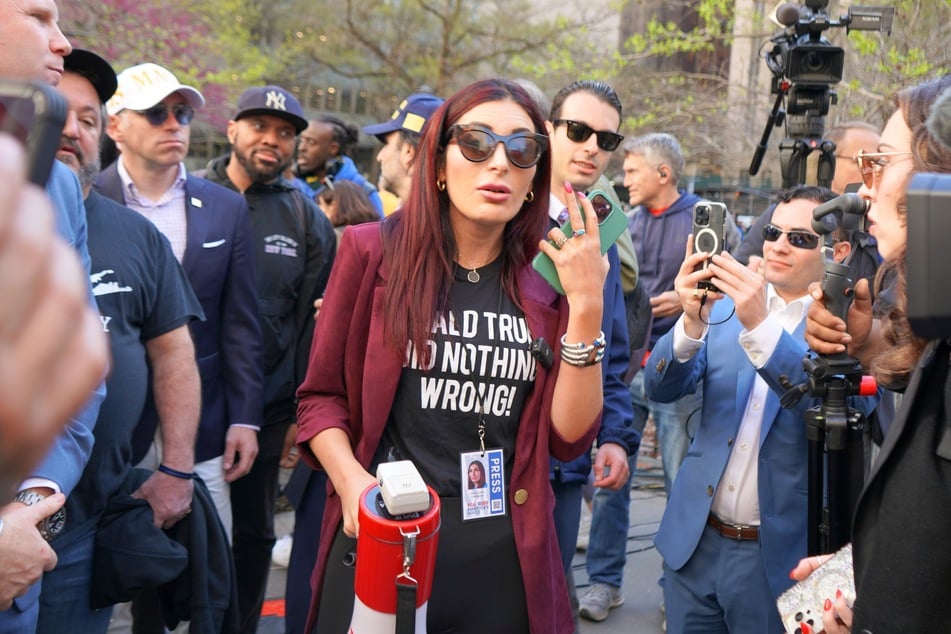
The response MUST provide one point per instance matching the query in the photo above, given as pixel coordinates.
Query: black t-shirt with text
(480, 363)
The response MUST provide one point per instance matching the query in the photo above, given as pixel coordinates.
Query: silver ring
(578, 233)
(696, 292)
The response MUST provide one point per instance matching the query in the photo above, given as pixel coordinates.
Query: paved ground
(640, 613)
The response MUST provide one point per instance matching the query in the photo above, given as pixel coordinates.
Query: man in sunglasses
(582, 132)
(851, 138)
(294, 247)
(741, 494)
(210, 235)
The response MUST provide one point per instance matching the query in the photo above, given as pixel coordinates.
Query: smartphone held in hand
(611, 224)
(709, 233)
(34, 114)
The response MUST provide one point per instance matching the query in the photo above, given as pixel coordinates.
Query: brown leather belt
(733, 531)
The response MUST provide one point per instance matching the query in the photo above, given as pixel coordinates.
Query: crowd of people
(161, 360)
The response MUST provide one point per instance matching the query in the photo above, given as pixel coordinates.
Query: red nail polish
(838, 594)
(827, 605)
(568, 188)
(804, 628)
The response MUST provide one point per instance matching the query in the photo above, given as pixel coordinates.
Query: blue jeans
(610, 520)
(671, 421)
(64, 601)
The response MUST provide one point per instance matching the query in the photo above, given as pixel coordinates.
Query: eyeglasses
(477, 144)
(579, 133)
(158, 114)
(871, 165)
(798, 239)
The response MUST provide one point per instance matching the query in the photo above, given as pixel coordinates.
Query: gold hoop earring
(530, 197)
(441, 185)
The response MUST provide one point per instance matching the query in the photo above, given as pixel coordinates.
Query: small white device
(402, 488)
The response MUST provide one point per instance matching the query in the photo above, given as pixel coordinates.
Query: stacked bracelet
(176, 473)
(582, 355)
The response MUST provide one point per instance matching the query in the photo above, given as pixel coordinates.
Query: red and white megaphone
(396, 552)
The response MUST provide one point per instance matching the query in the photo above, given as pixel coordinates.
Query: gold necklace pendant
(473, 276)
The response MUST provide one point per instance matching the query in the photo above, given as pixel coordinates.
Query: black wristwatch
(49, 527)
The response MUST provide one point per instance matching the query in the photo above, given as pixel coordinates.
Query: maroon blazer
(351, 382)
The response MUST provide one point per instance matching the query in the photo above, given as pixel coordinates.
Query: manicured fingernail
(804, 628)
(827, 605)
(838, 594)
(583, 195)
(568, 188)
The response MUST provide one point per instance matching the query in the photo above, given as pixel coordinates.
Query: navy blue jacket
(220, 266)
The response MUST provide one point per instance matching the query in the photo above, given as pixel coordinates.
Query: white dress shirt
(736, 500)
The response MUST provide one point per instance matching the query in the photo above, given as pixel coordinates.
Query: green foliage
(668, 59)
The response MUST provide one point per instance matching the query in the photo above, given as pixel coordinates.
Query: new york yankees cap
(274, 101)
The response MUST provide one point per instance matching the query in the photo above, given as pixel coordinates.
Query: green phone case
(610, 229)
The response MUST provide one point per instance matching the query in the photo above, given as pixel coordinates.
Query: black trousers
(252, 506)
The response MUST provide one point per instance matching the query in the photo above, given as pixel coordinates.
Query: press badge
(483, 484)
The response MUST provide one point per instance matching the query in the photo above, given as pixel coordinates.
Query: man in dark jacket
(582, 129)
(294, 247)
(208, 228)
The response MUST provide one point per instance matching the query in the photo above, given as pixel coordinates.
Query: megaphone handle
(405, 604)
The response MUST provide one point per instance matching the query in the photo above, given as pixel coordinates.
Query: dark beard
(88, 171)
(257, 174)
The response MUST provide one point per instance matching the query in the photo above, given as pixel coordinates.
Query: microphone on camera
(787, 14)
(939, 121)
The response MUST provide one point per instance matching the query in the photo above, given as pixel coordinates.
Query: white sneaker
(281, 553)
(599, 600)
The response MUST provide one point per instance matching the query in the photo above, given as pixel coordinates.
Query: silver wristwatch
(49, 527)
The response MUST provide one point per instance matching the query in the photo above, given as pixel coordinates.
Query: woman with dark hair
(422, 353)
(902, 559)
(476, 475)
(345, 204)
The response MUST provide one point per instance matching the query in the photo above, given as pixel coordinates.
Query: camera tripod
(794, 152)
(836, 461)
(793, 160)
(834, 431)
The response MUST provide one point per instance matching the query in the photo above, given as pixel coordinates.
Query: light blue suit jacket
(67, 457)
(728, 378)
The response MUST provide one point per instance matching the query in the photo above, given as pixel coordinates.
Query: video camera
(805, 65)
(927, 256)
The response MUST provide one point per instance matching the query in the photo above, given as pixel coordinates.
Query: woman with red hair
(423, 352)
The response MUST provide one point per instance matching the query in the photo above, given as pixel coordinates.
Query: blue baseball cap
(273, 101)
(410, 115)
